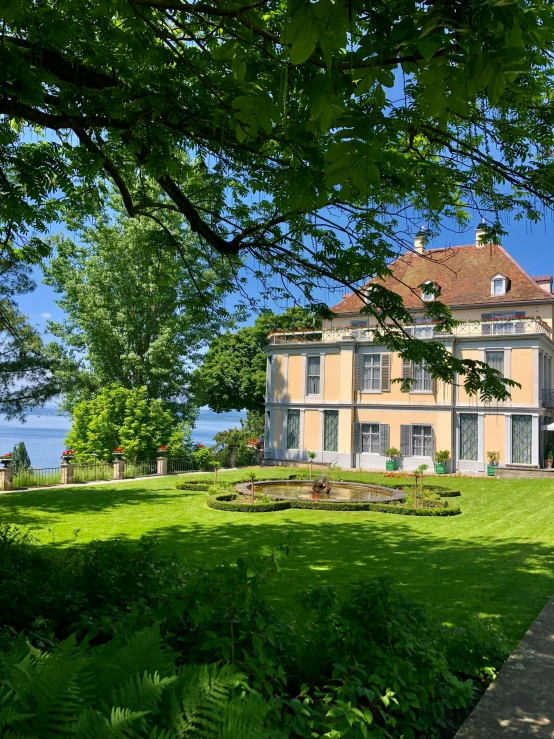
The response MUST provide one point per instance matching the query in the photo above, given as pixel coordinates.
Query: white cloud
(46, 315)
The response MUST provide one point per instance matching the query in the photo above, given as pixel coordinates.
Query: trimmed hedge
(192, 485)
(224, 503)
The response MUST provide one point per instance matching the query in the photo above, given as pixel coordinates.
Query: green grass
(496, 559)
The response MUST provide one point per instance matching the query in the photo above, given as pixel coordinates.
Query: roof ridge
(521, 269)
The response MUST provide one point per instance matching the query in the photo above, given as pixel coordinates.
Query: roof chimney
(479, 233)
(419, 246)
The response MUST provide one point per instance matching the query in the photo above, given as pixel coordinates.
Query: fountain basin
(341, 492)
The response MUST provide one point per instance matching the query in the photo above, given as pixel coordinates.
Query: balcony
(548, 399)
(493, 327)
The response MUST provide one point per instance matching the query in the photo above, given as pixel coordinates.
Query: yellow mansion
(329, 391)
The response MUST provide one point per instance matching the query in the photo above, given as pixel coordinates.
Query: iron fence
(92, 472)
(180, 464)
(140, 469)
(40, 477)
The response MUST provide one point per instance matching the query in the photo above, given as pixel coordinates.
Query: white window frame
(497, 351)
(427, 297)
(423, 437)
(374, 436)
(503, 286)
(425, 378)
(308, 375)
(374, 366)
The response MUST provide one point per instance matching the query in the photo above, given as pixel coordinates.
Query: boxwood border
(224, 503)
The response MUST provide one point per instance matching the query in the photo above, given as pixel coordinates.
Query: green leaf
(304, 44)
(496, 88)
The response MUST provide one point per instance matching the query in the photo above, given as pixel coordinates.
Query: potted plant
(549, 458)
(6, 459)
(494, 459)
(441, 458)
(162, 450)
(392, 453)
(118, 452)
(68, 455)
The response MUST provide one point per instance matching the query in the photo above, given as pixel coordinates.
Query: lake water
(44, 433)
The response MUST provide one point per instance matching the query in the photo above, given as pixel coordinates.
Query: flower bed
(226, 502)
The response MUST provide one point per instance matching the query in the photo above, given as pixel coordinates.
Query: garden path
(519, 704)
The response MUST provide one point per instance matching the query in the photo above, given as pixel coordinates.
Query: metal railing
(140, 469)
(37, 477)
(180, 464)
(493, 327)
(92, 472)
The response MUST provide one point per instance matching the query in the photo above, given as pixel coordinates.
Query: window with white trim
(469, 436)
(498, 285)
(371, 372)
(314, 375)
(422, 441)
(293, 429)
(370, 438)
(495, 359)
(426, 296)
(423, 382)
(330, 431)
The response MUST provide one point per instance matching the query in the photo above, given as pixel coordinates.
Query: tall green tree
(118, 416)
(326, 131)
(133, 315)
(20, 457)
(232, 376)
(26, 369)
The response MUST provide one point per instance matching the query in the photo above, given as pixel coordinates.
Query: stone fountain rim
(392, 493)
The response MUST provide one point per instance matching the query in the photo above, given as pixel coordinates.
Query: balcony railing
(548, 399)
(494, 327)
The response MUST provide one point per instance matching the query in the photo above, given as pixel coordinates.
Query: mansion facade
(330, 390)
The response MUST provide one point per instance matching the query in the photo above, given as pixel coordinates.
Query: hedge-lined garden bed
(225, 502)
(442, 492)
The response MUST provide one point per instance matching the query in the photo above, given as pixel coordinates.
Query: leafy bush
(202, 458)
(126, 618)
(193, 485)
(125, 688)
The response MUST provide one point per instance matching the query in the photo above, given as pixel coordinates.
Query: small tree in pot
(441, 458)
(311, 457)
(494, 459)
(392, 453)
(548, 457)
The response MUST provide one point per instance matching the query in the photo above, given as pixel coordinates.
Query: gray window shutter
(520, 327)
(384, 434)
(357, 372)
(433, 442)
(385, 373)
(407, 369)
(406, 441)
(488, 328)
(357, 446)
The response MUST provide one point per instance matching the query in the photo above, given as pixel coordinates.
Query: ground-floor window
(469, 436)
(370, 438)
(522, 440)
(330, 431)
(293, 429)
(422, 441)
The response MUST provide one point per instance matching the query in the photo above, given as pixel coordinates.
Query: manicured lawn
(496, 559)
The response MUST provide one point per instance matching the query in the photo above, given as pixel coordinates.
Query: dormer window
(498, 285)
(425, 295)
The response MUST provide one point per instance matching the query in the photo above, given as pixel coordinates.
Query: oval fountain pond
(331, 492)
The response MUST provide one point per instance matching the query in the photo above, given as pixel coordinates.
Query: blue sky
(530, 244)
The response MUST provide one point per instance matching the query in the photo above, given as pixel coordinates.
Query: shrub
(442, 457)
(224, 502)
(329, 673)
(202, 458)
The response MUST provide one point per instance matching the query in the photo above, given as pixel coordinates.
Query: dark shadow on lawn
(507, 580)
(89, 499)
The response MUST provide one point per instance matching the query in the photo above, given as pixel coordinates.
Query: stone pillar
(118, 469)
(161, 465)
(6, 478)
(233, 457)
(67, 473)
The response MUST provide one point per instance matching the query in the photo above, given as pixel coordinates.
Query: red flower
(119, 449)
(162, 448)
(67, 452)
(6, 456)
